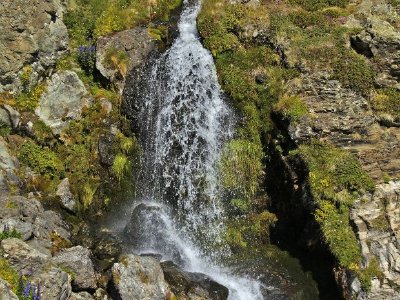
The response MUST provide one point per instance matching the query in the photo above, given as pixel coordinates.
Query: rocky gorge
(309, 179)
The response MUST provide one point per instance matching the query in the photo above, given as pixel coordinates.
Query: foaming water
(183, 126)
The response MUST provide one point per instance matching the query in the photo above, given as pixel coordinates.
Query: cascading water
(183, 125)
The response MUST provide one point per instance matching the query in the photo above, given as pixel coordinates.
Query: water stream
(183, 125)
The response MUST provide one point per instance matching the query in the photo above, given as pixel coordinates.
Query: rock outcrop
(32, 38)
(63, 101)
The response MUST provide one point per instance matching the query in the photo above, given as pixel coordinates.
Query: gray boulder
(68, 200)
(81, 296)
(139, 278)
(77, 260)
(135, 44)
(8, 166)
(32, 33)
(23, 257)
(63, 101)
(56, 284)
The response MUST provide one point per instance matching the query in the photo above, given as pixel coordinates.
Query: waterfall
(183, 123)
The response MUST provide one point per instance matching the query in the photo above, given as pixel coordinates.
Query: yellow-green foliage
(29, 100)
(8, 274)
(387, 101)
(159, 33)
(26, 76)
(87, 194)
(370, 272)
(43, 133)
(93, 18)
(41, 160)
(336, 179)
(241, 167)
(291, 107)
(121, 166)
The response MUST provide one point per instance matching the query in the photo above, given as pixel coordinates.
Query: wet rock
(187, 285)
(138, 278)
(32, 33)
(133, 44)
(56, 284)
(78, 261)
(68, 200)
(23, 257)
(107, 246)
(6, 292)
(147, 228)
(63, 101)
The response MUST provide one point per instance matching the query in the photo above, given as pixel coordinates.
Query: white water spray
(184, 123)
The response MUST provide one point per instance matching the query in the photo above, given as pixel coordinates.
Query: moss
(121, 166)
(29, 100)
(42, 133)
(42, 160)
(58, 243)
(313, 5)
(354, 72)
(117, 59)
(387, 101)
(8, 274)
(25, 76)
(5, 129)
(371, 271)
(380, 222)
(87, 194)
(292, 108)
(159, 33)
(336, 179)
(241, 167)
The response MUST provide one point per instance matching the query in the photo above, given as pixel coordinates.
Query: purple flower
(27, 289)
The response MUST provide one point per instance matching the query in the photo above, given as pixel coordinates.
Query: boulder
(8, 166)
(81, 296)
(133, 44)
(32, 34)
(68, 200)
(55, 284)
(23, 257)
(6, 292)
(78, 261)
(187, 285)
(63, 101)
(139, 278)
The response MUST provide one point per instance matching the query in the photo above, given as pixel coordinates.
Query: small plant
(29, 99)
(121, 166)
(9, 233)
(291, 107)
(26, 290)
(87, 58)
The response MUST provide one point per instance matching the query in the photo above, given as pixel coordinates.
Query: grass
(291, 108)
(387, 101)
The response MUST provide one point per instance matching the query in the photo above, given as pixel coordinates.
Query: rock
(136, 44)
(147, 229)
(23, 257)
(6, 292)
(377, 219)
(81, 296)
(8, 166)
(55, 284)
(106, 105)
(63, 101)
(101, 294)
(139, 278)
(67, 198)
(32, 34)
(13, 115)
(106, 149)
(192, 285)
(77, 260)
(107, 247)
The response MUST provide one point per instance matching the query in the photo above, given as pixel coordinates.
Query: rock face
(139, 278)
(77, 260)
(56, 284)
(5, 291)
(32, 33)
(68, 200)
(117, 54)
(63, 101)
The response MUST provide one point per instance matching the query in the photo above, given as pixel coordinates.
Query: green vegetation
(121, 166)
(387, 101)
(336, 179)
(29, 100)
(117, 59)
(41, 160)
(13, 233)
(371, 271)
(241, 168)
(8, 274)
(89, 19)
(291, 107)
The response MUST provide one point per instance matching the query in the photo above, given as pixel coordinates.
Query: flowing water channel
(183, 123)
